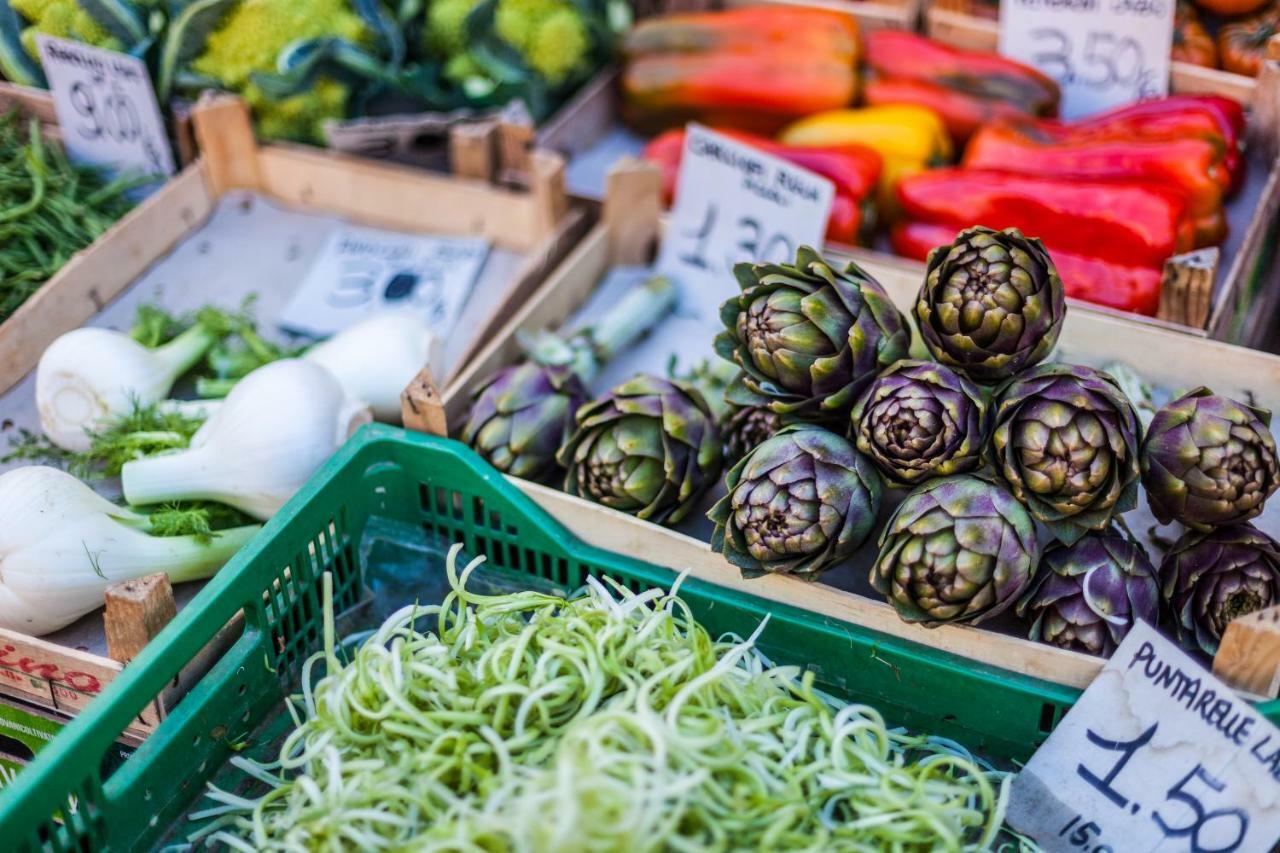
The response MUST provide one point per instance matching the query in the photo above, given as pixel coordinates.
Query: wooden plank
(632, 210)
(1231, 296)
(471, 150)
(136, 610)
(1186, 287)
(224, 132)
(622, 533)
(97, 274)
(32, 101)
(1248, 657)
(422, 407)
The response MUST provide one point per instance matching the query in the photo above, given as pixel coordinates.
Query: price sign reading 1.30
(1103, 53)
(733, 204)
(1156, 755)
(106, 107)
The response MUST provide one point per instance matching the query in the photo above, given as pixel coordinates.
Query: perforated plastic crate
(385, 479)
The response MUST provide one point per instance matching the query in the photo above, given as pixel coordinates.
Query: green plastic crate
(385, 475)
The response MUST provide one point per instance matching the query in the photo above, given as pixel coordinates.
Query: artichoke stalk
(1208, 579)
(919, 420)
(958, 549)
(522, 414)
(1208, 461)
(796, 504)
(809, 337)
(991, 304)
(1066, 439)
(1086, 596)
(649, 447)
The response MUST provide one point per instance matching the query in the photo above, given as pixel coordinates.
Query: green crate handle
(375, 473)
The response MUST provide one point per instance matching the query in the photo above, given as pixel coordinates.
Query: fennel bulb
(375, 359)
(61, 544)
(275, 428)
(91, 375)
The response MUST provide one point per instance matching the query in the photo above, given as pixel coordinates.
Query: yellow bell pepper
(907, 137)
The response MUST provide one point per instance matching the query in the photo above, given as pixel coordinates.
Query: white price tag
(1156, 755)
(1103, 53)
(733, 204)
(106, 107)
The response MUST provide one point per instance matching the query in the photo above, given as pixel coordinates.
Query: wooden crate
(627, 234)
(539, 223)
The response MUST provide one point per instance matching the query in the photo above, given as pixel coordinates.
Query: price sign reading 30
(1156, 755)
(1103, 53)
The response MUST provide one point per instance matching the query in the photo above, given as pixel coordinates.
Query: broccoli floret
(251, 38)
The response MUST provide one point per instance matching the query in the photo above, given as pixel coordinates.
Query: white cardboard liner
(249, 245)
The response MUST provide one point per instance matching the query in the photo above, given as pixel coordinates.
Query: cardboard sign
(106, 107)
(365, 271)
(1156, 755)
(733, 204)
(1103, 53)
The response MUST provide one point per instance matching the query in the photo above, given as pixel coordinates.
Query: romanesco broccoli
(61, 18)
(252, 37)
(559, 45)
(550, 35)
(445, 33)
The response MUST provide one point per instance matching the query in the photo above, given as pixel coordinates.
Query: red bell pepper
(804, 32)
(1211, 117)
(962, 113)
(854, 169)
(1129, 223)
(907, 56)
(1191, 164)
(1089, 279)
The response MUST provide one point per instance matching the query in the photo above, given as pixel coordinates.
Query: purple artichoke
(1085, 596)
(991, 304)
(1208, 461)
(1065, 438)
(747, 427)
(959, 549)
(799, 502)
(919, 420)
(649, 447)
(522, 414)
(1208, 579)
(809, 337)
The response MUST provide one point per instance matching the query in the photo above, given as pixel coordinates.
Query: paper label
(1157, 754)
(733, 204)
(106, 107)
(1103, 53)
(365, 271)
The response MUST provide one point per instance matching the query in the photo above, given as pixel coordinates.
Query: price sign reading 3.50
(1103, 53)
(1156, 755)
(735, 204)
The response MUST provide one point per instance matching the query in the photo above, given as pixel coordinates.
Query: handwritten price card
(106, 107)
(733, 204)
(1103, 53)
(1157, 755)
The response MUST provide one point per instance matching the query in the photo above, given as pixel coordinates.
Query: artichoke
(958, 549)
(919, 420)
(746, 428)
(809, 337)
(991, 304)
(799, 502)
(522, 414)
(1208, 579)
(1066, 440)
(1085, 596)
(1208, 461)
(649, 447)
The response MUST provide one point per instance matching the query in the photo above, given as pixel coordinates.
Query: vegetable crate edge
(444, 487)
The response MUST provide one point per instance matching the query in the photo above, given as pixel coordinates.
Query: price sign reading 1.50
(1157, 755)
(735, 204)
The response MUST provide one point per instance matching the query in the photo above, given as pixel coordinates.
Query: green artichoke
(809, 337)
(649, 447)
(1208, 461)
(1065, 438)
(919, 420)
(1086, 596)
(746, 427)
(799, 502)
(958, 549)
(991, 304)
(522, 414)
(1208, 579)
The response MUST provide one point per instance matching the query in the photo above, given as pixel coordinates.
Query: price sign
(733, 204)
(106, 107)
(1103, 53)
(1157, 755)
